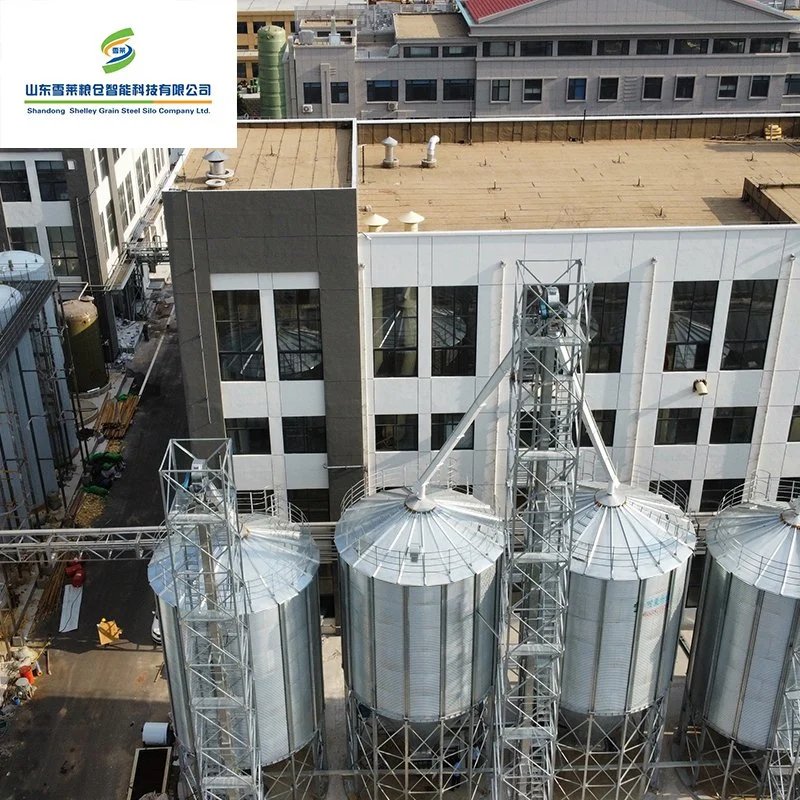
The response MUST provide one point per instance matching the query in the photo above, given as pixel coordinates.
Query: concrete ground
(76, 737)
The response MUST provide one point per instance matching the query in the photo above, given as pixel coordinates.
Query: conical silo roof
(759, 543)
(279, 559)
(627, 534)
(20, 265)
(452, 537)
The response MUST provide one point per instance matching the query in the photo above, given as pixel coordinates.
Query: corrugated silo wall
(590, 130)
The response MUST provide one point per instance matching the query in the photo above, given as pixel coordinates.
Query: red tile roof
(480, 9)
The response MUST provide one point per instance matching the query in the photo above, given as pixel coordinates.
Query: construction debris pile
(116, 415)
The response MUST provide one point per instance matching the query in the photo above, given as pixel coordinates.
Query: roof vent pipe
(375, 222)
(430, 157)
(216, 160)
(411, 221)
(334, 37)
(389, 159)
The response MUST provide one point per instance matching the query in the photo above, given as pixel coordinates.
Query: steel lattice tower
(550, 339)
(211, 601)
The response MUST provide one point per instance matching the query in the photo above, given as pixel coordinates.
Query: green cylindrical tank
(86, 349)
(271, 76)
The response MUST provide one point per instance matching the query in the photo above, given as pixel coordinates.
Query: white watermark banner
(128, 73)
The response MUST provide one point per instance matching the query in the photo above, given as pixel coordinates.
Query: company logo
(119, 53)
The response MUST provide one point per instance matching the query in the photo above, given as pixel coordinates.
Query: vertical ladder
(550, 338)
(211, 601)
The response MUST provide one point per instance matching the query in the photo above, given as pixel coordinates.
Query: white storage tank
(627, 580)
(20, 265)
(419, 584)
(280, 562)
(748, 627)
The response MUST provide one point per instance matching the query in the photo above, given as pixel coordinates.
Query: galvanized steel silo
(419, 585)
(628, 571)
(280, 562)
(743, 684)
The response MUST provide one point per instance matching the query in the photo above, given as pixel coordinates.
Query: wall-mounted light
(700, 386)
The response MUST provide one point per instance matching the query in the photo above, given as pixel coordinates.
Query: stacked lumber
(116, 415)
(773, 132)
(51, 596)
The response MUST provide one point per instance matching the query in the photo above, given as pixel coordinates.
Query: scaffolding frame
(211, 602)
(550, 338)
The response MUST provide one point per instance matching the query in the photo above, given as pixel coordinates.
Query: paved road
(76, 738)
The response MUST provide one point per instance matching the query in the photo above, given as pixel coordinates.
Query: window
(140, 180)
(728, 46)
(576, 89)
(340, 92)
(278, 23)
(241, 27)
(257, 501)
(501, 91)
(607, 326)
(24, 239)
(791, 87)
(606, 420)
(394, 332)
(381, 91)
(532, 90)
(250, 435)
(52, 180)
(116, 152)
(254, 69)
(715, 490)
(146, 170)
(677, 425)
(652, 87)
(420, 91)
(64, 252)
(314, 503)
(793, 46)
(728, 84)
(537, 49)
(733, 425)
(257, 26)
(396, 432)
(575, 47)
(652, 47)
(613, 47)
(759, 87)
(788, 489)
(239, 339)
(299, 334)
(454, 320)
(304, 435)
(111, 227)
(14, 186)
(458, 89)
(102, 163)
(771, 45)
(684, 87)
(498, 49)
(418, 51)
(794, 425)
(747, 331)
(690, 321)
(129, 200)
(312, 93)
(460, 51)
(241, 69)
(676, 492)
(690, 47)
(442, 425)
(608, 89)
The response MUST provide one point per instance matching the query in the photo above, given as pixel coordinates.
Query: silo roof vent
(216, 158)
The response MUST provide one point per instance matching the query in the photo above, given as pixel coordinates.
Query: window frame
(336, 94)
(459, 302)
(753, 79)
(54, 177)
(576, 53)
(771, 50)
(702, 50)
(677, 426)
(495, 87)
(725, 487)
(606, 419)
(791, 79)
(739, 49)
(420, 83)
(236, 323)
(71, 262)
(310, 435)
(660, 79)
(610, 348)
(678, 79)
(730, 428)
(722, 92)
(646, 41)
(443, 425)
(467, 83)
(301, 308)
(313, 503)
(529, 44)
(673, 349)
(625, 49)
(471, 51)
(233, 431)
(432, 51)
(509, 46)
(19, 183)
(570, 85)
(410, 426)
(600, 98)
(392, 86)
(387, 367)
(748, 290)
(312, 93)
(525, 82)
(26, 241)
(794, 426)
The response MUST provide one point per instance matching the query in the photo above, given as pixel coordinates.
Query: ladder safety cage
(550, 339)
(211, 602)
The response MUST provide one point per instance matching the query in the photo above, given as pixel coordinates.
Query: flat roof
(290, 6)
(786, 197)
(605, 184)
(429, 26)
(280, 155)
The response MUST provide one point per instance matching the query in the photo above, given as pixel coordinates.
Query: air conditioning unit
(392, 106)
(308, 109)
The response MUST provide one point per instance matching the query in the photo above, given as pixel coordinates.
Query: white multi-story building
(325, 350)
(80, 210)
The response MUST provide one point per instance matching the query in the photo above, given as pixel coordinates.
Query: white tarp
(70, 608)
